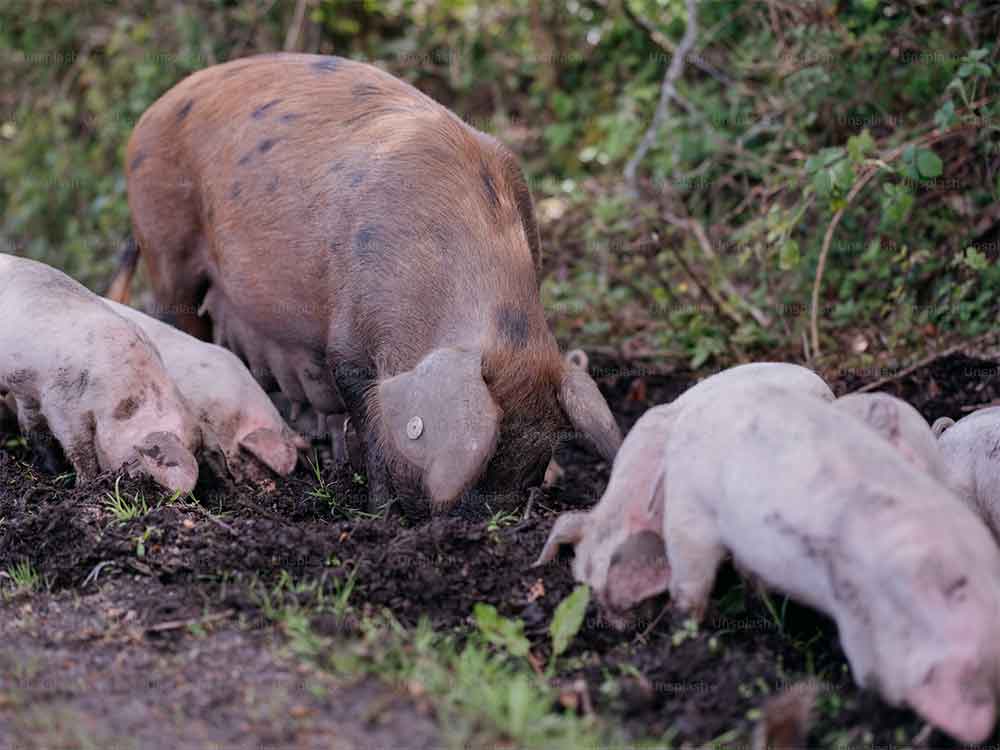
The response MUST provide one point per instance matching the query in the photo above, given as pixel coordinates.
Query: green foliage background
(787, 107)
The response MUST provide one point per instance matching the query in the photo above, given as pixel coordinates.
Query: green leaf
(928, 164)
(500, 631)
(945, 116)
(789, 256)
(975, 259)
(568, 618)
(858, 146)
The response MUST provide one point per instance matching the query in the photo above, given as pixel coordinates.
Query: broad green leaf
(945, 116)
(568, 618)
(975, 259)
(928, 164)
(501, 631)
(789, 257)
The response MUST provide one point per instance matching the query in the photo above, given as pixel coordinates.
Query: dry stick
(668, 91)
(295, 28)
(933, 137)
(921, 363)
(177, 624)
(661, 40)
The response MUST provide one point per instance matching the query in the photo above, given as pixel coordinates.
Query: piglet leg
(694, 552)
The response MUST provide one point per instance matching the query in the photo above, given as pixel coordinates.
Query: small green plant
(24, 577)
(509, 634)
(123, 508)
(499, 520)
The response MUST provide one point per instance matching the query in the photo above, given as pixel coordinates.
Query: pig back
(335, 203)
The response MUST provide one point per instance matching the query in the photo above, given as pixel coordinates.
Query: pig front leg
(35, 429)
(353, 382)
(76, 433)
(694, 552)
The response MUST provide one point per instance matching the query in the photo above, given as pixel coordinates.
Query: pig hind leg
(694, 552)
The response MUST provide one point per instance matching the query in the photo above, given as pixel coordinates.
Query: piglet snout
(163, 456)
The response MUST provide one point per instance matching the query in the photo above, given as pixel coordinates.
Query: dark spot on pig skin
(272, 185)
(126, 408)
(365, 90)
(185, 110)
(245, 159)
(492, 199)
(328, 64)
(237, 189)
(954, 589)
(357, 178)
(20, 377)
(289, 117)
(260, 111)
(337, 166)
(512, 325)
(266, 145)
(365, 243)
(137, 160)
(73, 387)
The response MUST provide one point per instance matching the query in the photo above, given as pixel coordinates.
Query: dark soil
(173, 638)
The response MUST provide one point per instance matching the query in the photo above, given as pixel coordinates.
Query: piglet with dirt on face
(902, 426)
(812, 503)
(91, 379)
(971, 450)
(235, 415)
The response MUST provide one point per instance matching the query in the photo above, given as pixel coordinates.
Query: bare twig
(696, 228)
(662, 41)
(668, 91)
(178, 624)
(295, 28)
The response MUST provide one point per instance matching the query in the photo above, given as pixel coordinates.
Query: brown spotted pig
(349, 237)
(84, 375)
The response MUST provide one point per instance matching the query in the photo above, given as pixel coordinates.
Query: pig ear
(164, 457)
(958, 700)
(638, 570)
(568, 529)
(441, 418)
(277, 453)
(588, 412)
(940, 425)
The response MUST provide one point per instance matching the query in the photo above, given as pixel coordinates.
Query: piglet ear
(165, 458)
(273, 450)
(638, 570)
(441, 418)
(568, 529)
(941, 424)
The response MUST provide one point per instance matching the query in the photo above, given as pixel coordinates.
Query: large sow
(349, 237)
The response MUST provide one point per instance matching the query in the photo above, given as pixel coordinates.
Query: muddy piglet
(91, 379)
(902, 426)
(236, 417)
(814, 504)
(971, 450)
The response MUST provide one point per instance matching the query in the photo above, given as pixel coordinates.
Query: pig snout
(957, 696)
(163, 456)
